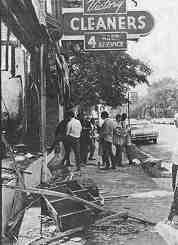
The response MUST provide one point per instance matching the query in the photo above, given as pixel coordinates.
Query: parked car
(143, 131)
(169, 121)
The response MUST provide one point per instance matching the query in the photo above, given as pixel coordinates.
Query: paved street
(149, 197)
(167, 141)
(75, 73)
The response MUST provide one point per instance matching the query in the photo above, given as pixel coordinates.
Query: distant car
(143, 131)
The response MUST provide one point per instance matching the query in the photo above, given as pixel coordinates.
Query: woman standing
(118, 140)
(92, 139)
(127, 138)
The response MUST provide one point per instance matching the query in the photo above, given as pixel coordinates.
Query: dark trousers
(84, 149)
(174, 206)
(66, 154)
(174, 175)
(108, 154)
(92, 147)
(74, 144)
(118, 156)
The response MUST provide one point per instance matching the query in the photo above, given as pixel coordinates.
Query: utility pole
(43, 113)
(128, 109)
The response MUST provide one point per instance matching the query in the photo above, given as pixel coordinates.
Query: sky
(160, 48)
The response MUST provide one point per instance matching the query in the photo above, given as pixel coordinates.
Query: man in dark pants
(107, 138)
(92, 139)
(174, 206)
(174, 175)
(73, 133)
(118, 140)
(60, 136)
(84, 138)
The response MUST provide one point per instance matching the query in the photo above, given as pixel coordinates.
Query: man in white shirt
(73, 133)
(106, 136)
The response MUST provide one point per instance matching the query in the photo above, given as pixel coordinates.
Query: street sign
(104, 6)
(134, 22)
(133, 97)
(105, 41)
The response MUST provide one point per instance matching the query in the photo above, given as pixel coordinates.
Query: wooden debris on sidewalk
(71, 213)
(13, 202)
(70, 203)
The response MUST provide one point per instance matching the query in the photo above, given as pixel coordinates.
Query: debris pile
(116, 229)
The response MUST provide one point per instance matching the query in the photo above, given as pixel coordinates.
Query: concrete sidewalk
(146, 199)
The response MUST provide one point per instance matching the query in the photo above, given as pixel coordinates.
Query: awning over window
(20, 17)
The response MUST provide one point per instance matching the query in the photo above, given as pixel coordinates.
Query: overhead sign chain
(106, 24)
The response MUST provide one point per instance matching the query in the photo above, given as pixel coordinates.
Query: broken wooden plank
(74, 213)
(123, 215)
(113, 197)
(142, 220)
(74, 198)
(52, 211)
(78, 191)
(57, 200)
(58, 194)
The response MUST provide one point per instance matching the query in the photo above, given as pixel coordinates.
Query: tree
(162, 98)
(97, 77)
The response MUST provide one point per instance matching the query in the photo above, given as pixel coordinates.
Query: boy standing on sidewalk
(73, 133)
(107, 139)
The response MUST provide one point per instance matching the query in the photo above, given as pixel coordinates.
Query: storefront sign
(104, 6)
(98, 20)
(134, 22)
(101, 41)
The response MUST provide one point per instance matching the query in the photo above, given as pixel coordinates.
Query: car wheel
(155, 141)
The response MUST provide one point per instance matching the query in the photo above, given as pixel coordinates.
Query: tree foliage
(162, 99)
(103, 76)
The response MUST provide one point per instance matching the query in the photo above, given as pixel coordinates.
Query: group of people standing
(77, 134)
(114, 133)
(80, 133)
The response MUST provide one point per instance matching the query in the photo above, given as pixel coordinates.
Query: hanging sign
(100, 41)
(134, 22)
(96, 22)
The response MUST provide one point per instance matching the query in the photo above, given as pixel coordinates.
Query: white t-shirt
(74, 128)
